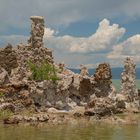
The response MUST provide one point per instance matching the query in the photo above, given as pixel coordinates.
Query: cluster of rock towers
(71, 89)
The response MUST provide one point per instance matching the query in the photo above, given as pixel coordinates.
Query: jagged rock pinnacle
(128, 85)
(37, 32)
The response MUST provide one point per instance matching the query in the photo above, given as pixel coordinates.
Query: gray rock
(4, 77)
(52, 110)
(128, 84)
(121, 104)
(60, 105)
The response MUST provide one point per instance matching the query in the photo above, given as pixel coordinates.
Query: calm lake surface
(85, 131)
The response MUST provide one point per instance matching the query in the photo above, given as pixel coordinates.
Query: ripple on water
(94, 131)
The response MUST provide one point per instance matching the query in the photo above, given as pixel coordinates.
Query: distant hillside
(116, 72)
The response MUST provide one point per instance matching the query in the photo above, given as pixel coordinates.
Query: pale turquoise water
(117, 84)
(85, 131)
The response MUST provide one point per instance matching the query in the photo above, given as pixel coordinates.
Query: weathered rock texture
(4, 78)
(101, 107)
(128, 85)
(8, 58)
(83, 70)
(102, 78)
(34, 51)
(25, 54)
(19, 92)
(15, 76)
(37, 31)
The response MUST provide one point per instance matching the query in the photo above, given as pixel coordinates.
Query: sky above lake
(85, 32)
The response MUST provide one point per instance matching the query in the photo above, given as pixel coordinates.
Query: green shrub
(43, 71)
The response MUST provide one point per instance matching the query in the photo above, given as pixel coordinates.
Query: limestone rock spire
(128, 84)
(37, 32)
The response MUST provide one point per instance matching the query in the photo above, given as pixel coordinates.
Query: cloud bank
(102, 46)
(13, 13)
(130, 47)
(105, 36)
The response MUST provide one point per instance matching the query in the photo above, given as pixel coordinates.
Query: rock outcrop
(37, 32)
(20, 92)
(4, 78)
(101, 107)
(102, 80)
(15, 76)
(34, 51)
(131, 98)
(8, 58)
(128, 83)
(83, 71)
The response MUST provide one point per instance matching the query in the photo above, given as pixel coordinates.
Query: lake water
(96, 131)
(116, 72)
(117, 84)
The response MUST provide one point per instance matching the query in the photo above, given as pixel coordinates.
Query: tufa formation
(67, 90)
(103, 80)
(128, 83)
(37, 32)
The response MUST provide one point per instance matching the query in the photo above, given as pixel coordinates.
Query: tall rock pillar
(103, 80)
(128, 85)
(37, 32)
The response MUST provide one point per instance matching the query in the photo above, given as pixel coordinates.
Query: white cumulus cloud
(130, 47)
(101, 46)
(105, 36)
(48, 32)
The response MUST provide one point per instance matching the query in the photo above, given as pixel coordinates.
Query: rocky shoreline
(73, 117)
(33, 88)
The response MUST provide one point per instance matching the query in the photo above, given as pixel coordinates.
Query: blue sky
(78, 31)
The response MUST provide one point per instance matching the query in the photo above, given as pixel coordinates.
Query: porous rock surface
(128, 79)
(8, 58)
(128, 86)
(19, 92)
(103, 80)
(37, 32)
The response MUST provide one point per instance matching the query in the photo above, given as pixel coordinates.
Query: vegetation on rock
(43, 71)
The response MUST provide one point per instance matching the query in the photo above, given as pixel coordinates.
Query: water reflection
(96, 131)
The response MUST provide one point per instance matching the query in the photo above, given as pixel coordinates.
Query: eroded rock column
(128, 85)
(37, 32)
(103, 80)
(83, 71)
